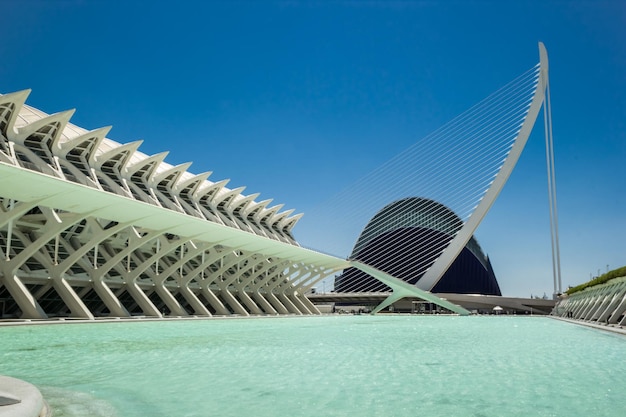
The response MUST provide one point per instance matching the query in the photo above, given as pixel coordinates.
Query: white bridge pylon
(434, 274)
(475, 164)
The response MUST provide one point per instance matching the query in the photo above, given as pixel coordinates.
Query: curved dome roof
(406, 213)
(405, 238)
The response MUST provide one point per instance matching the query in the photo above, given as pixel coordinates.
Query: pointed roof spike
(178, 170)
(244, 202)
(65, 147)
(252, 205)
(25, 131)
(282, 214)
(272, 218)
(278, 218)
(265, 203)
(18, 98)
(15, 97)
(128, 148)
(291, 221)
(229, 194)
(260, 206)
(193, 182)
(59, 134)
(155, 160)
(212, 188)
(271, 212)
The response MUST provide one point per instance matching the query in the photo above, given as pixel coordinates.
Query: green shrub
(616, 273)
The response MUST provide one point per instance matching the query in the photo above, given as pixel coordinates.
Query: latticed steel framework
(91, 227)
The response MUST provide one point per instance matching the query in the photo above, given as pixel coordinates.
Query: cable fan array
(434, 186)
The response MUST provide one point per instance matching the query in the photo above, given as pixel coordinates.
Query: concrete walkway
(607, 328)
(21, 398)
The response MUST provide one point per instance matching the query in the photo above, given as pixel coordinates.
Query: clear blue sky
(297, 100)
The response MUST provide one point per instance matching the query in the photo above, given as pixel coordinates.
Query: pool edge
(607, 328)
(31, 402)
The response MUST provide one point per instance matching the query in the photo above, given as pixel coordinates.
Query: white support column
(590, 306)
(109, 299)
(233, 303)
(225, 284)
(142, 300)
(184, 280)
(215, 302)
(170, 301)
(257, 299)
(205, 281)
(50, 230)
(161, 278)
(98, 275)
(57, 272)
(309, 305)
(295, 299)
(288, 304)
(316, 275)
(619, 310)
(77, 308)
(262, 282)
(286, 287)
(24, 299)
(245, 298)
(281, 296)
(131, 277)
(615, 300)
(198, 307)
(577, 307)
(280, 307)
(601, 304)
(265, 305)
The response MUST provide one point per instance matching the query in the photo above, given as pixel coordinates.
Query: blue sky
(298, 100)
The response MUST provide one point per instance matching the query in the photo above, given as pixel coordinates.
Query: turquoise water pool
(322, 366)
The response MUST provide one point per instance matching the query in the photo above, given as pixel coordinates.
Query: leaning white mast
(554, 218)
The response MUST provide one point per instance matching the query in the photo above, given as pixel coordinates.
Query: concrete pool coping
(135, 319)
(599, 326)
(29, 401)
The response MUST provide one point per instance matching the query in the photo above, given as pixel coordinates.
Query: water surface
(390, 366)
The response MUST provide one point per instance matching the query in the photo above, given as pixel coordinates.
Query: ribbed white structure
(91, 227)
(601, 304)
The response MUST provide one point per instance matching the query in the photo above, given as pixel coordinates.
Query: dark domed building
(405, 238)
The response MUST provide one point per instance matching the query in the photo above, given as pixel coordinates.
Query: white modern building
(91, 227)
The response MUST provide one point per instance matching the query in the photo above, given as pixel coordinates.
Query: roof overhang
(29, 186)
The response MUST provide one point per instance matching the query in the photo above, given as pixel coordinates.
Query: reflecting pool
(388, 366)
